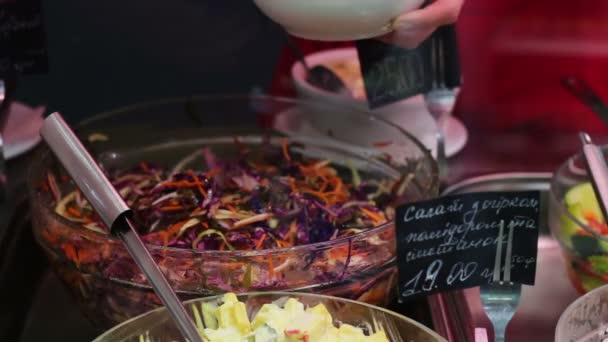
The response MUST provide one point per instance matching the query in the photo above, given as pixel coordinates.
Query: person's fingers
(411, 28)
(439, 12)
(407, 39)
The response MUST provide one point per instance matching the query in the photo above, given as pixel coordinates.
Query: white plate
(292, 121)
(22, 130)
(411, 114)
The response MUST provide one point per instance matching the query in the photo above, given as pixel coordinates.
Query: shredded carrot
(105, 251)
(212, 173)
(87, 255)
(260, 242)
(174, 229)
(285, 148)
(319, 195)
(338, 185)
(234, 201)
(74, 212)
(291, 235)
(180, 184)
(282, 244)
(71, 253)
(324, 186)
(270, 267)
(339, 253)
(164, 237)
(172, 208)
(382, 143)
(377, 218)
(198, 184)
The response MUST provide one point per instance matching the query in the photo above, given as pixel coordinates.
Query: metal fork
(501, 297)
(433, 103)
(440, 99)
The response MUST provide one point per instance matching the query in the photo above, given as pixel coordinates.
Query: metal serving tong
(586, 95)
(114, 212)
(598, 171)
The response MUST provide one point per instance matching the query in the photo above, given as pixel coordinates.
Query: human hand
(411, 28)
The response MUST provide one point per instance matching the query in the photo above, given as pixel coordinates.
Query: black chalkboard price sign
(391, 73)
(451, 242)
(22, 37)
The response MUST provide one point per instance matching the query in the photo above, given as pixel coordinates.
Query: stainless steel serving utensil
(597, 169)
(583, 91)
(437, 103)
(441, 98)
(319, 76)
(114, 212)
(501, 297)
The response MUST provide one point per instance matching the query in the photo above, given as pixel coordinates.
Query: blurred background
(513, 53)
(106, 54)
(515, 113)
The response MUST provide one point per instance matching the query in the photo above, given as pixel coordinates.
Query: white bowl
(586, 319)
(410, 114)
(336, 20)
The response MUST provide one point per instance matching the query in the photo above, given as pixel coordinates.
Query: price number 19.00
(426, 280)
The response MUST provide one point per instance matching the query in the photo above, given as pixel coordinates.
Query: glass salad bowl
(586, 319)
(577, 222)
(174, 134)
(157, 326)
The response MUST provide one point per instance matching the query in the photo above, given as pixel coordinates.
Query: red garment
(513, 55)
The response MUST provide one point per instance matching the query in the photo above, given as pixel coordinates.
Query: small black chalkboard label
(391, 73)
(22, 37)
(450, 243)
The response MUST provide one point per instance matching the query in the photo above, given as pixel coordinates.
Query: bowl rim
(46, 153)
(574, 304)
(281, 294)
(559, 201)
(316, 58)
